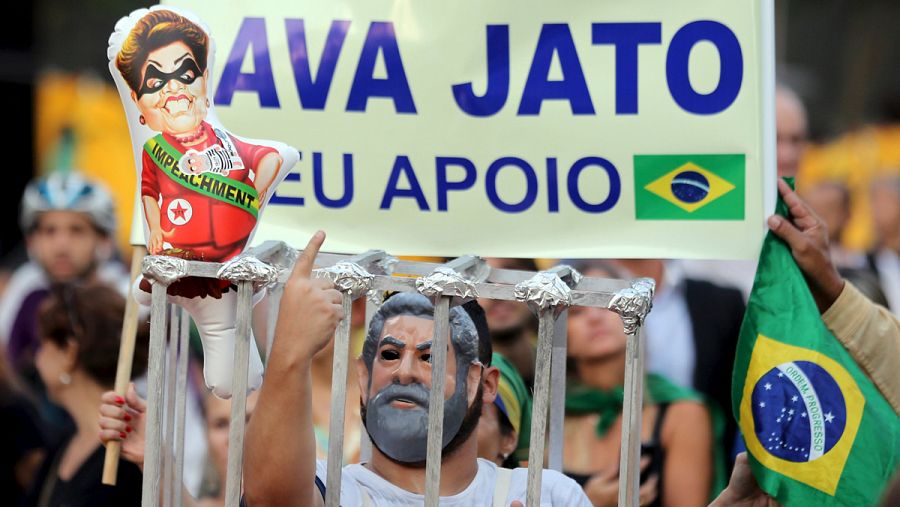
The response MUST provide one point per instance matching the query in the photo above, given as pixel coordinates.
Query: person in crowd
(513, 326)
(692, 333)
(680, 466)
(22, 444)
(505, 425)
(218, 422)
(831, 201)
(884, 260)
(69, 223)
(118, 414)
(792, 135)
(792, 130)
(394, 378)
(79, 326)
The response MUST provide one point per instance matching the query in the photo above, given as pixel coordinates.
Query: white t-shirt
(556, 488)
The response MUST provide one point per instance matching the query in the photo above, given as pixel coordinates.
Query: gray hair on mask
(463, 333)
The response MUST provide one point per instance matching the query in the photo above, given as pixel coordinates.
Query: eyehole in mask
(155, 79)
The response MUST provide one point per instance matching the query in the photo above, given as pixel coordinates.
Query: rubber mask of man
(396, 414)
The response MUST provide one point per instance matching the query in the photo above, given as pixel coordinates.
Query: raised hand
(807, 236)
(310, 307)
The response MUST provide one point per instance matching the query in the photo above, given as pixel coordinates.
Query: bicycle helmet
(67, 191)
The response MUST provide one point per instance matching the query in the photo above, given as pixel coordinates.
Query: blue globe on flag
(799, 412)
(690, 187)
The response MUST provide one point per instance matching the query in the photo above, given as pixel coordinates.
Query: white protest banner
(508, 128)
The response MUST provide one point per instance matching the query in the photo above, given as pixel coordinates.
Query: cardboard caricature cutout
(201, 187)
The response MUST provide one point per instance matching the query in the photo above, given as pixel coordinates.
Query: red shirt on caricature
(197, 226)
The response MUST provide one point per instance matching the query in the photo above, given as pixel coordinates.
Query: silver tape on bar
(632, 304)
(274, 303)
(558, 392)
(161, 271)
(239, 393)
(246, 267)
(338, 404)
(353, 280)
(436, 402)
(374, 300)
(547, 294)
(455, 279)
(539, 414)
(250, 274)
(169, 424)
(181, 400)
(152, 444)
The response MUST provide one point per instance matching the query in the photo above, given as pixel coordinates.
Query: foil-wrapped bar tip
(444, 281)
(247, 268)
(348, 277)
(164, 269)
(544, 290)
(634, 303)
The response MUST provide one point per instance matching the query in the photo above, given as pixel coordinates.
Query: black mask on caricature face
(155, 79)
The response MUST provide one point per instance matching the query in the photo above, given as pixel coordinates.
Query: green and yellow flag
(817, 430)
(689, 187)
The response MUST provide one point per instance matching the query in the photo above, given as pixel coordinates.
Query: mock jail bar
(353, 279)
(371, 274)
(181, 400)
(547, 294)
(169, 411)
(454, 279)
(632, 305)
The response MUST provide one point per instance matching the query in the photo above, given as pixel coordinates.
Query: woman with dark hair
(80, 328)
(22, 445)
(678, 464)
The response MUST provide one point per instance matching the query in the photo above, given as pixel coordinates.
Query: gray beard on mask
(402, 434)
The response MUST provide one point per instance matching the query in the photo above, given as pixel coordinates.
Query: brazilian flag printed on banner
(689, 187)
(817, 430)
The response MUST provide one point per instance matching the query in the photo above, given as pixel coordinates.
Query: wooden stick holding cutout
(126, 358)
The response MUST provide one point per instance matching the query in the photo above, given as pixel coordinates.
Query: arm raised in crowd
(868, 331)
(807, 236)
(280, 448)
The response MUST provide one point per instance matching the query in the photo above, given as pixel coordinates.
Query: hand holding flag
(817, 430)
(807, 236)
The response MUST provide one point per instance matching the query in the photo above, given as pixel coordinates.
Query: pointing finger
(306, 260)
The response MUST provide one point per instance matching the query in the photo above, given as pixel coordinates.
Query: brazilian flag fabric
(817, 430)
(689, 187)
